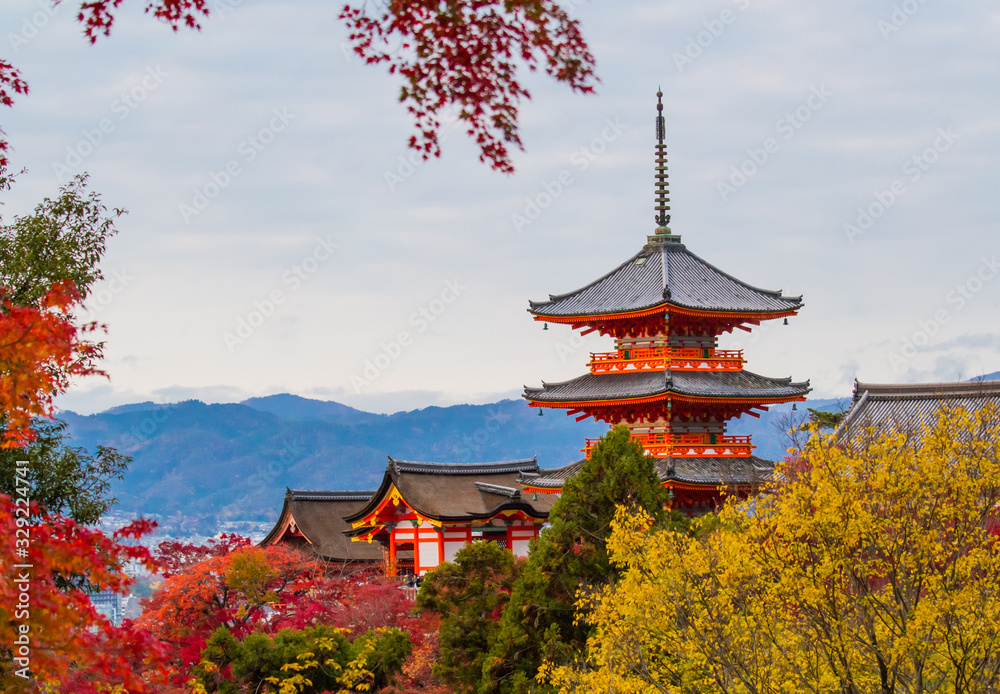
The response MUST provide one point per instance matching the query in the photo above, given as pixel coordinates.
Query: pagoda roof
(711, 471)
(457, 491)
(319, 517)
(665, 274)
(911, 406)
(701, 384)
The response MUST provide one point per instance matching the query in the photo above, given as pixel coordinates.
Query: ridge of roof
(556, 297)
(884, 391)
(328, 495)
(498, 467)
(773, 292)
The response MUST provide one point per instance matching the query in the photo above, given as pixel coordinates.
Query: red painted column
(393, 569)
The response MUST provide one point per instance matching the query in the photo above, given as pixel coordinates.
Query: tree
(52, 636)
(872, 567)
(463, 53)
(64, 479)
(454, 53)
(41, 349)
(263, 590)
(48, 263)
(63, 239)
(469, 595)
(569, 559)
(175, 557)
(301, 661)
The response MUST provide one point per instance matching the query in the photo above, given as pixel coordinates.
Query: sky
(281, 238)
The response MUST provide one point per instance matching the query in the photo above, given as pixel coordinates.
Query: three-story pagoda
(666, 379)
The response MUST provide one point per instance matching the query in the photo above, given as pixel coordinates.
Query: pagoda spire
(662, 178)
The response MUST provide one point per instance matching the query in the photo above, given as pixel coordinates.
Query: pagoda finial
(662, 178)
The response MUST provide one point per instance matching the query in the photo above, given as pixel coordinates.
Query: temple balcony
(666, 358)
(688, 445)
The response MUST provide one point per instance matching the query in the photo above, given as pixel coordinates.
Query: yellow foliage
(864, 569)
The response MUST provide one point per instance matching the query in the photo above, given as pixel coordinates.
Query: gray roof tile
(665, 272)
(708, 471)
(622, 386)
(909, 407)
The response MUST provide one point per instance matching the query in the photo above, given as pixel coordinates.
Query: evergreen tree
(469, 595)
(571, 557)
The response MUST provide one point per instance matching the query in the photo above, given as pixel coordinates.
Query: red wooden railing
(664, 358)
(688, 445)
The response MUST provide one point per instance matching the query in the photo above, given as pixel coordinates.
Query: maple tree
(461, 54)
(262, 590)
(48, 263)
(51, 635)
(871, 566)
(41, 349)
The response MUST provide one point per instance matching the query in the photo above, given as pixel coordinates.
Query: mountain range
(201, 467)
(209, 464)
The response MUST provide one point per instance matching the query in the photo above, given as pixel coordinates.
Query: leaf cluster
(64, 479)
(873, 568)
(301, 661)
(464, 55)
(469, 595)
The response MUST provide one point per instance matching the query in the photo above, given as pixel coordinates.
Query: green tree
(64, 479)
(64, 239)
(569, 559)
(307, 661)
(469, 595)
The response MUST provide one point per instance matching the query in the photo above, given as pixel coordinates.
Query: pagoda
(666, 379)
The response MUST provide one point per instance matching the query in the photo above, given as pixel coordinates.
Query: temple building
(421, 514)
(434, 509)
(666, 379)
(908, 408)
(314, 521)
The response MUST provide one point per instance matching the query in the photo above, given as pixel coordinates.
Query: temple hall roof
(459, 492)
(625, 386)
(319, 517)
(662, 273)
(747, 470)
(907, 407)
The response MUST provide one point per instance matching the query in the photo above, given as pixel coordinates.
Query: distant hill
(228, 462)
(995, 376)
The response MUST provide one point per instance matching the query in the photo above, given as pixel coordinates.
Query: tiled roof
(319, 515)
(624, 386)
(450, 492)
(409, 466)
(709, 471)
(910, 406)
(665, 272)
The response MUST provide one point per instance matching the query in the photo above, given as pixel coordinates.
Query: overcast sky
(844, 151)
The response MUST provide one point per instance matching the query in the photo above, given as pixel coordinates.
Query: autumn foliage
(256, 592)
(874, 569)
(67, 642)
(451, 54)
(464, 54)
(41, 348)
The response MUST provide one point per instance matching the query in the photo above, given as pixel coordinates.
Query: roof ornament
(662, 178)
(662, 185)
